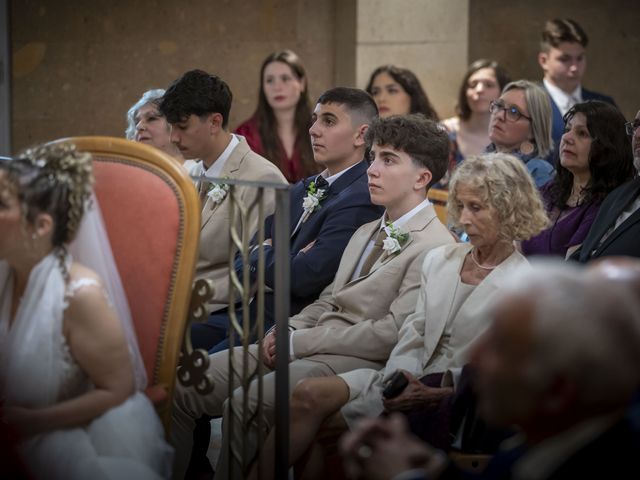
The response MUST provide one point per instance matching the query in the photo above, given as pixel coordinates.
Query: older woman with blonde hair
(493, 198)
(520, 124)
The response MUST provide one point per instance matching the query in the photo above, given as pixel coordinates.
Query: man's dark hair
(196, 93)
(561, 30)
(358, 102)
(424, 140)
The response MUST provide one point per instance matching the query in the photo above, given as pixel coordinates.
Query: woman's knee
(304, 399)
(319, 396)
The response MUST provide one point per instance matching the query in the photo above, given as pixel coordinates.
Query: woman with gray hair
(493, 198)
(520, 124)
(145, 124)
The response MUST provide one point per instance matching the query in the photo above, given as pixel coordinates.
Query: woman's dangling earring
(526, 147)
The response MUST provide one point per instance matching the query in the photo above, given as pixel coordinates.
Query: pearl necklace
(477, 263)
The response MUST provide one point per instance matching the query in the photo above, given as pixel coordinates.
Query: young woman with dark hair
(279, 128)
(397, 91)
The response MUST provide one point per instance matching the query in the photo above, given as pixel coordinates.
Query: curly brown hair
(424, 140)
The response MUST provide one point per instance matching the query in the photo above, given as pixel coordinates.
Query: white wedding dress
(37, 370)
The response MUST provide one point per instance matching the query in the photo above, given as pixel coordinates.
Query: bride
(70, 369)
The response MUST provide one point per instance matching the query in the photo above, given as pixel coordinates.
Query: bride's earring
(526, 147)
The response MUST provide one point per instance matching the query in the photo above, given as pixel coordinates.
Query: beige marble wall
(429, 37)
(78, 66)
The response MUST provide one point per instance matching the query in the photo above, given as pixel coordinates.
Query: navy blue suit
(624, 240)
(557, 128)
(346, 207)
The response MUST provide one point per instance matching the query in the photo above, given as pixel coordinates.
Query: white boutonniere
(217, 192)
(311, 202)
(395, 239)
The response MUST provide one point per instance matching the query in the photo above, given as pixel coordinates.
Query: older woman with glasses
(520, 124)
(595, 158)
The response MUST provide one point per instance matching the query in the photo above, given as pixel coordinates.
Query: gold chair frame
(174, 320)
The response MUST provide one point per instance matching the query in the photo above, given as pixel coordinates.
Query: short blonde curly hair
(503, 183)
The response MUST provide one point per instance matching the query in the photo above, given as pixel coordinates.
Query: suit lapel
(418, 223)
(357, 245)
(297, 196)
(610, 218)
(230, 169)
(339, 186)
(633, 218)
(346, 179)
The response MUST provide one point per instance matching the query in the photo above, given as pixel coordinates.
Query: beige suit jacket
(422, 347)
(213, 254)
(354, 324)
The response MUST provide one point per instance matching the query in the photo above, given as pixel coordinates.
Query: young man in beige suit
(355, 322)
(197, 106)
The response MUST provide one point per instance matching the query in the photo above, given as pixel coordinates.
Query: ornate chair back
(152, 215)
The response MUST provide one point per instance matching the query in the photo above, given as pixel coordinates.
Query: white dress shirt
(216, 167)
(562, 99)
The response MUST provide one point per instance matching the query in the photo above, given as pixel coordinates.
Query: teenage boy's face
(393, 178)
(565, 65)
(192, 136)
(333, 136)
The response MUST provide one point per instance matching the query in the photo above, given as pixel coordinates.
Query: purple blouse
(568, 227)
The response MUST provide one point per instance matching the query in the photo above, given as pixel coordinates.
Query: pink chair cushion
(142, 217)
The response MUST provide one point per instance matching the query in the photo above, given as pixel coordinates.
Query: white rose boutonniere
(395, 239)
(217, 192)
(311, 202)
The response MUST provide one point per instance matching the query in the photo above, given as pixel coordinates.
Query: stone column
(429, 37)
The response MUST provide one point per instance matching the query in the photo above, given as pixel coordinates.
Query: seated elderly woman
(145, 124)
(493, 198)
(595, 158)
(520, 124)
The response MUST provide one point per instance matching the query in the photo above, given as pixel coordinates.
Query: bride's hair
(53, 179)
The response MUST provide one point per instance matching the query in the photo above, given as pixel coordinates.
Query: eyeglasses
(631, 127)
(511, 112)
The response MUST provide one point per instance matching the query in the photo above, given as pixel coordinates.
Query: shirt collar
(216, 168)
(335, 176)
(562, 98)
(403, 220)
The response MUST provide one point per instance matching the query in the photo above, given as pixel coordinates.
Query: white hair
(150, 96)
(585, 328)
